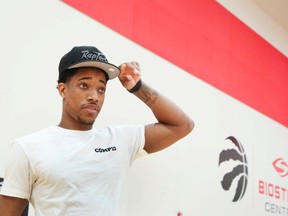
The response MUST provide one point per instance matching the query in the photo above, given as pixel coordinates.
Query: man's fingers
(130, 70)
(136, 71)
(136, 65)
(130, 65)
(129, 78)
(122, 66)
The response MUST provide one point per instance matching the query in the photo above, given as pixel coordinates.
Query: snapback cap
(87, 56)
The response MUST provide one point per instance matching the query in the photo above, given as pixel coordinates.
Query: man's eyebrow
(84, 78)
(89, 78)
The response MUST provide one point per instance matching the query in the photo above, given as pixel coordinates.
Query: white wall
(185, 177)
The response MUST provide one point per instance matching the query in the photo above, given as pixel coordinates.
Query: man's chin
(88, 122)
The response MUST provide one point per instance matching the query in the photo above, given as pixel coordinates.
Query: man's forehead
(89, 74)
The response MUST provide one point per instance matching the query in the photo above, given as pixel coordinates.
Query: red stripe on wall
(206, 40)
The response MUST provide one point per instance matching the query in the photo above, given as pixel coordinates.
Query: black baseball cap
(87, 56)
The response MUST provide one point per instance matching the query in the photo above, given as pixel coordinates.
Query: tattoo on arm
(148, 95)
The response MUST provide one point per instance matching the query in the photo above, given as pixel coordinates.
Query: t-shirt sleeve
(17, 177)
(139, 149)
(132, 138)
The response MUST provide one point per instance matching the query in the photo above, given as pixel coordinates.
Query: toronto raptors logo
(238, 174)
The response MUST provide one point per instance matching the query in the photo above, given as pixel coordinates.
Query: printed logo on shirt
(1, 182)
(26, 210)
(102, 150)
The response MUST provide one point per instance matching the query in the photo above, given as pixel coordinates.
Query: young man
(75, 169)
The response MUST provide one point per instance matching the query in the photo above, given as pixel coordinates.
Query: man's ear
(62, 89)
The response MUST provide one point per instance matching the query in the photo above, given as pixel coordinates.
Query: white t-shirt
(67, 172)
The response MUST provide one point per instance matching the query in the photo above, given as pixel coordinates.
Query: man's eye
(102, 90)
(83, 85)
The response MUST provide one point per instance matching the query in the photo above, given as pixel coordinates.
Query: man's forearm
(164, 109)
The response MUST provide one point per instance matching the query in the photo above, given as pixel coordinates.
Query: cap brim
(112, 70)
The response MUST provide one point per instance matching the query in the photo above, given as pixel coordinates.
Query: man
(74, 169)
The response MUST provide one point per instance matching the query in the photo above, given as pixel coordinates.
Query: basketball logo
(238, 174)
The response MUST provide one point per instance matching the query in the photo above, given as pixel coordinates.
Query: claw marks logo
(238, 170)
(281, 166)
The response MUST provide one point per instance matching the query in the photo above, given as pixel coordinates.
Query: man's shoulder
(124, 128)
(124, 131)
(40, 133)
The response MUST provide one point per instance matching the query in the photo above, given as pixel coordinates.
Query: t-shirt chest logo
(103, 150)
(1, 182)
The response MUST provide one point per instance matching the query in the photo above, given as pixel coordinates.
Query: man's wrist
(136, 87)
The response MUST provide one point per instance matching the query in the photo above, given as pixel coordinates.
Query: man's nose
(93, 95)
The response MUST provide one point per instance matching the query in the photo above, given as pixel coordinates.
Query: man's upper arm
(173, 124)
(18, 177)
(12, 206)
(159, 136)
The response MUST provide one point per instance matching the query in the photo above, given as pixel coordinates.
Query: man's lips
(91, 108)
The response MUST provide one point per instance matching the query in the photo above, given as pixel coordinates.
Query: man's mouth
(91, 108)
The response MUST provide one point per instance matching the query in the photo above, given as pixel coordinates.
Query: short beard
(79, 119)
